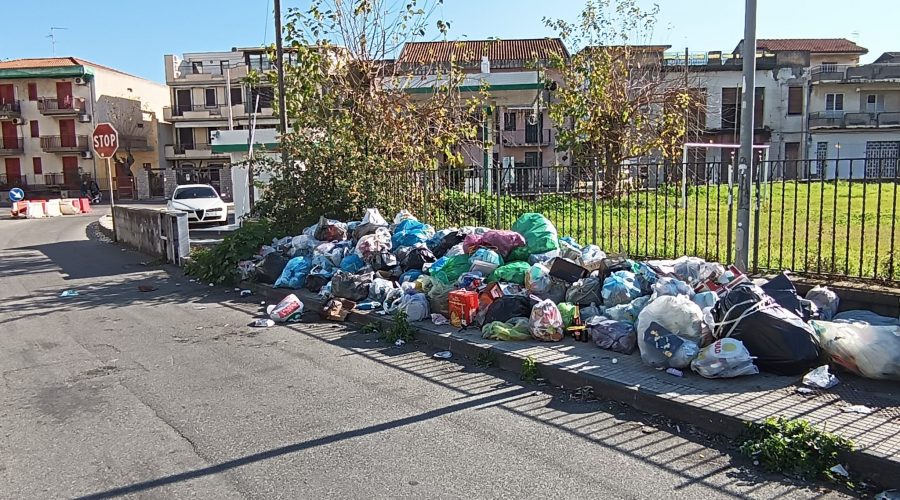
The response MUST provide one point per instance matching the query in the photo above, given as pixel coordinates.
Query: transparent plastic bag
(724, 358)
(546, 322)
(867, 350)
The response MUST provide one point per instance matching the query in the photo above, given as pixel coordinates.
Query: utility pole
(279, 60)
(745, 163)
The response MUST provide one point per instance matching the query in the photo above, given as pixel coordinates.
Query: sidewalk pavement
(720, 406)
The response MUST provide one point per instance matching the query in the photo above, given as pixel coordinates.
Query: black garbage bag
(270, 268)
(416, 258)
(315, 282)
(353, 287)
(612, 264)
(618, 336)
(782, 291)
(448, 242)
(779, 339)
(366, 229)
(330, 230)
(506, 308)
(382, 261)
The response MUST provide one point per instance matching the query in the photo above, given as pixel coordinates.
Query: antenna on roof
(52, 37)
(854, 35)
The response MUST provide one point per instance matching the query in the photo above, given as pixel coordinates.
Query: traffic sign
(105, 140)
(16, 194)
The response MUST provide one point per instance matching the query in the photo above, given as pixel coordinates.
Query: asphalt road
(169, 394)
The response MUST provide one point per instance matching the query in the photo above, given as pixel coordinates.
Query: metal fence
(828, 218)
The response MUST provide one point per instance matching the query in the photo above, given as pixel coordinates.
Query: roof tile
(470, 51)
(814, 45)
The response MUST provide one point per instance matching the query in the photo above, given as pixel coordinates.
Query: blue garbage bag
(487, 255)
(411, 232)
(438, 264)
(294, 274)
(620, 287)
(410, 275)
(352, 263)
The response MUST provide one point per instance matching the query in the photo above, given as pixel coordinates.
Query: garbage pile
(530, 283)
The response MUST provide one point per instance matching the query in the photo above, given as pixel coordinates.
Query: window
(197, 67)
(38, 168)
(731, 105)
(509, 121)
(874, 103)
(266, 95)
(795, 101)
(821, 158)
(237, 95)
(834, 102)
(210, 98)
(881, 159)
(32, 92)
(35, 130)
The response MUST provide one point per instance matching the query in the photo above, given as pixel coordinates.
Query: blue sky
(134, 35)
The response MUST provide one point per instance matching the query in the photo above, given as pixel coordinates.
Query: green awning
(58, 72)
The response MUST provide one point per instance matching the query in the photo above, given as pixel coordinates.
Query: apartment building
(855, 114)
(783, 97)
(518, 124)
(208, 93)
(48, 109)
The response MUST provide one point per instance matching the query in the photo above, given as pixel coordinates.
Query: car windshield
(194, 193)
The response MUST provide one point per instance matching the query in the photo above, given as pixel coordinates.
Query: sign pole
(112, 199)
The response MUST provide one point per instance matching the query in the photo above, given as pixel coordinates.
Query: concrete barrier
(160, 234)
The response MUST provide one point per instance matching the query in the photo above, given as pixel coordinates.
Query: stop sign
(105, 140)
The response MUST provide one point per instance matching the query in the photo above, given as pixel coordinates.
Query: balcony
(64, 144)
(51, 106)
(851, 73)
(840, 119)
(10, 110)
(7, 183)
(186, 112)
(11, 146)
(526, 138)
(190, 151)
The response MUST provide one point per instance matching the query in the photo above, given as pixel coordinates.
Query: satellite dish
(532, 119)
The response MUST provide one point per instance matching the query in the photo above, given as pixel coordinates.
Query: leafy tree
(353, 122)
(615, 102)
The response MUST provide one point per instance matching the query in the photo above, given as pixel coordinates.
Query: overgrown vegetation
(219, 264)
(486, 359)
(794, 447)
(400, 329)
(352, 117)
(530, 371)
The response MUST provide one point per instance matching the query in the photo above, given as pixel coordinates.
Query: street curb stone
(882, 471)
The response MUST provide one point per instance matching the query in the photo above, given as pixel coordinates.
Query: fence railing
(828, 218)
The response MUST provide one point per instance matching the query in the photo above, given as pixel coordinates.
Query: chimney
(485, 64)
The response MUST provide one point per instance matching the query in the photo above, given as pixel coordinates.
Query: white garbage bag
(867, 350)
(724, 358)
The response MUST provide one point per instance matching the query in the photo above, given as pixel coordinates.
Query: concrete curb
(879, 470)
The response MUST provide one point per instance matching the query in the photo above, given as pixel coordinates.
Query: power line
(266, 29)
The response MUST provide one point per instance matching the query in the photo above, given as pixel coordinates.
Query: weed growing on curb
(529, 369)
(486, 359)
(794, 447)
(400, 330)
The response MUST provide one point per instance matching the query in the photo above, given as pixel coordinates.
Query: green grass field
(842, 229)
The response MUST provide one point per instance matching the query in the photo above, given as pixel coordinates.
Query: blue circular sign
(16, 194)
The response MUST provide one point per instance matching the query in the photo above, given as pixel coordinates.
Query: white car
(201, 202)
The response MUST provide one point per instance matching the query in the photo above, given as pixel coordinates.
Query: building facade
(516, 124)
(855, 116)
(208, 93)
(48, 109)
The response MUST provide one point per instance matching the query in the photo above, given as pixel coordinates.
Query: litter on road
(442, 355)
(69, 293)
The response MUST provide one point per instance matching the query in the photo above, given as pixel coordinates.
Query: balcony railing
(54, 179)
(852, 73)
(828, 72)
(52, 106)
(7, 183)
(64, 144)
(181, 109)
(134, 142)
(840, 119)
(10, 146)
(523, 138)
(10, 109)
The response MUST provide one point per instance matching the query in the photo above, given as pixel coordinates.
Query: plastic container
(567, 271)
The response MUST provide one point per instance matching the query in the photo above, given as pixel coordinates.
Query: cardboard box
(463, 306)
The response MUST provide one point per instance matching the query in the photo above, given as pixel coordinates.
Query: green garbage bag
(516, 329)
(453, 268)
(514, 272)
(539, 233)
(567, 311)
(518, 254)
